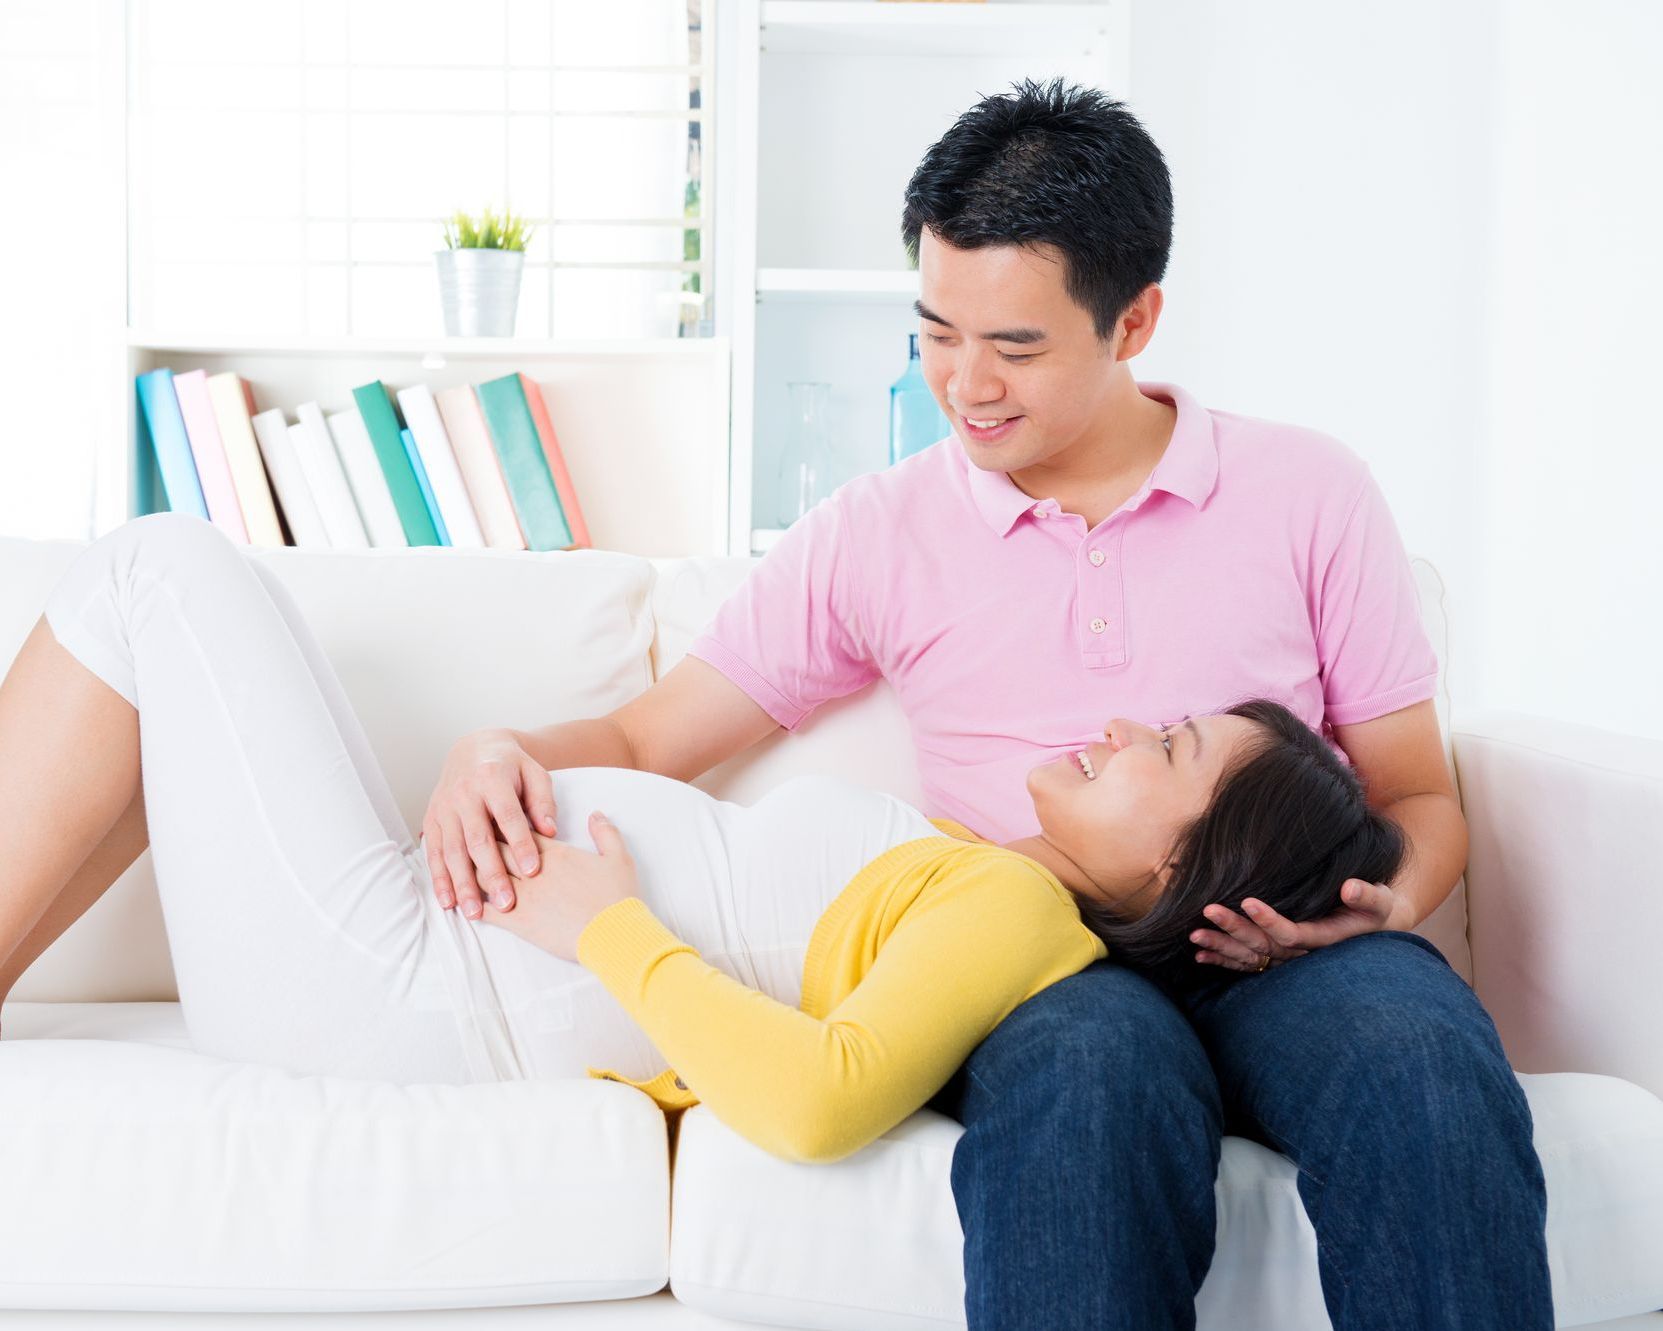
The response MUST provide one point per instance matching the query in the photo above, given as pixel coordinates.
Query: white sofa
(138, 1174)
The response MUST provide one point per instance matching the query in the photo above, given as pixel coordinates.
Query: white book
(369, 482)
(271, 433)
(322, 466)
(450, 493)
(477, 460)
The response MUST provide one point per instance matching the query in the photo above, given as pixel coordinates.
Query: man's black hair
(1061, 164)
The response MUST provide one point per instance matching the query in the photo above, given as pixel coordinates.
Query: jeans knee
(1103, 1044)
(1430, 1050)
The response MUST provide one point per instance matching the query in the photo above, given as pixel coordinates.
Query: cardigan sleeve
(974, 945)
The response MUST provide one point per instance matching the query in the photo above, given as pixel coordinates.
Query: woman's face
(1119, 825)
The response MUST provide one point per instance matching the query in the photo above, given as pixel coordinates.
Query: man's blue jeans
(1093, 1115)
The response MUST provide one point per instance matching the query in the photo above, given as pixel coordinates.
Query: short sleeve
(791, 636)
(1372, 647)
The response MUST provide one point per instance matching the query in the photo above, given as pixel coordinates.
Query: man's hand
(1244, 943)
(488, 783)
(574, 886)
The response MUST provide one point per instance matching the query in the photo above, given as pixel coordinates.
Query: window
(291, 165)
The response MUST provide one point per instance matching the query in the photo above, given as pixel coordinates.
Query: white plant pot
(479, 291)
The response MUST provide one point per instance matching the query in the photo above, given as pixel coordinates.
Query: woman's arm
(984, 939)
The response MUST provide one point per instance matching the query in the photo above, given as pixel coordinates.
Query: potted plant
(479, 273)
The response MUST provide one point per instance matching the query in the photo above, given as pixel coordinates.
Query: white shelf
(484, 348)
(642, 423)
(921, 28)
(836, 283)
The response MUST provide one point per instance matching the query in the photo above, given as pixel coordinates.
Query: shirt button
(1098, 625)
(680, 1084)
(1097, 556)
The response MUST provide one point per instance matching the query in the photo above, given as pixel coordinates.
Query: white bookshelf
(642, 424)
(815, 114)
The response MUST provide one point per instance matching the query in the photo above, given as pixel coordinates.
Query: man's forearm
(1437, 834)
(594, 743)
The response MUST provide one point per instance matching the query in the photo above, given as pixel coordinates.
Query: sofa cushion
(146, 1176)
(430, 643)
(873, 1242)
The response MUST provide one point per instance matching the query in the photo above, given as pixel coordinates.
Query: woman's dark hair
(1065, 165)
(1288, 824)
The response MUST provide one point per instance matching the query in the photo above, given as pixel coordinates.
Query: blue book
(165, 428)
(421, 480)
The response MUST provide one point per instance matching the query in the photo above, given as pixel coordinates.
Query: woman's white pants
(299, 909)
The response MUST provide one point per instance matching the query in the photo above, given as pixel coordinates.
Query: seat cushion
(142, 1175)
(874, 1242)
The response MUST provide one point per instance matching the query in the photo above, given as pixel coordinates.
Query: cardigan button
(680, 1084)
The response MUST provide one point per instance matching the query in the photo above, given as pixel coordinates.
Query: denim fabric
(1093, 1114)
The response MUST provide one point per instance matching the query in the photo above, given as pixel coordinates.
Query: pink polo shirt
(1257, 560)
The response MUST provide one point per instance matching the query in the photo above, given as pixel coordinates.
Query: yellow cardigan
(925, 950)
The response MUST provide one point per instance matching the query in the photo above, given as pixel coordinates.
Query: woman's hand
(1243, 944)
(574, 886)
(488, 783)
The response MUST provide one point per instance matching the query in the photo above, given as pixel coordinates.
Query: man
(1083, 547)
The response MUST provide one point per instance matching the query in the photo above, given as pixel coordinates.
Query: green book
(520, 451)
(382, 422)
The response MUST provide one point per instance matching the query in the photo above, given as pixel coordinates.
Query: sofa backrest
(433, 643)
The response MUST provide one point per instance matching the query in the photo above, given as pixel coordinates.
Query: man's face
(1059, 383)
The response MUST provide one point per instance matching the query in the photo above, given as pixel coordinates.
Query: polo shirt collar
(1188, 468)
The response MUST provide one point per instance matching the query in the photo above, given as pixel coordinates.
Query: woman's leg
(51, 709)
(292, 890)
(111, 858)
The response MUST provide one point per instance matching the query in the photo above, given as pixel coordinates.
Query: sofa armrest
(1565, 824)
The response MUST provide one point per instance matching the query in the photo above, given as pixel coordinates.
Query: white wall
(1572, 462)
(1330, 181)
(1432, 230)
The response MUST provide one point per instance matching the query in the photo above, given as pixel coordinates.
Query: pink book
(557, 466)
(212, 467)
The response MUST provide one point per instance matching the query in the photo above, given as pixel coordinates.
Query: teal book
(382, 423)
(531, 487)
(409, 442)
(170, 457)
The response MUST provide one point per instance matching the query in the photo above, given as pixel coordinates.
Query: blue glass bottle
(915, 421)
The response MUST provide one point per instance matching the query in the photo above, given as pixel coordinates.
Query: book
(519, 449)
(160, 416)
(368, 481)
(382, 422)
(271, 433)
(557, 462)
(230, 397)
(453, 508)
(477, 460)
(322, 466)
(212, 469)
(409, 442)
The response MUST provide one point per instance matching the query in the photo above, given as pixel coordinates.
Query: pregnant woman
(814, 966)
